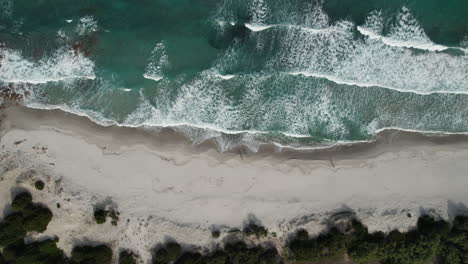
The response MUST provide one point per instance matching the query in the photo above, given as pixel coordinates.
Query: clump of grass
(39, 185)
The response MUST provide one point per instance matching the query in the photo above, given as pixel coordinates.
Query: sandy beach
(164, 186)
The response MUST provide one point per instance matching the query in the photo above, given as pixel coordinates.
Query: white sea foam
(257, 27)
(158, 61)
(405, 33)
(86, 24)
(401, 43)
(363, 84)
(335, 53)
(61, 66)
(225, 77)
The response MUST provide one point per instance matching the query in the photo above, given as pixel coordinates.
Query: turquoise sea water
(298, 72)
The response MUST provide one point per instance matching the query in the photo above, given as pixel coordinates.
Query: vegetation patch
(254, 229)
(432, 239)
(101, 254)
(101, 215)
(26, 217)
(43, 252)
(215, 234)
(39, 185)
(167, 253)
(127, 257)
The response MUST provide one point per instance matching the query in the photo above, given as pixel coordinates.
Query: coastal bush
(215, 234)
(101, 254)
(43, 252)
(39, 185)
(239, 252)
(421, 245)
(22, 202)
(11, 229)
(324, 247)
(127, 257)
(34, 217)
(190, 258)
(254, 229)
(217, 257)
(168, 253)
(455, 247)
(37, 219)
(100, 216)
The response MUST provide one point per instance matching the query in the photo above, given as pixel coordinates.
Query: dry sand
(165, 187)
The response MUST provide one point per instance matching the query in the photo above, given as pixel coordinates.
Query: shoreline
(174, 135)
(164, 186)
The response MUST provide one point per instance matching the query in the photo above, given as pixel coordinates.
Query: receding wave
(63, 65)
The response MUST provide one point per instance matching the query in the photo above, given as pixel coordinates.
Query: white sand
(164, 187)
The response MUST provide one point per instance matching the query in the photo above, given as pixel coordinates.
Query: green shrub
(114, 215)
(2, 260)
(325, 246)
(39, 185)
(22, 201)
(91, 255)
(215, 234)
(37, 219)
(217, 257)
(11, 229)
(127, 257)
(239, 253)
(190, 258)
(455, 245)
(100, 216)
(253, 229)
(170, 252)
(43, 252)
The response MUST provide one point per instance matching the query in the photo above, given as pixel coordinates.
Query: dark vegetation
(215, 234)
(43, 252)
(254, 229)
(431, 240)
(39, 185)
(127, 257)
(26, 217)
(100, 215)
(101, 254)
(237, 252)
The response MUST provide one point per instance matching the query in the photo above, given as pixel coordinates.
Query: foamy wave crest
(336, 53)
(63, 65)
(158, 62)
(405, 33)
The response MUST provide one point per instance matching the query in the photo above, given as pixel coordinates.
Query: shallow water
(294, 72)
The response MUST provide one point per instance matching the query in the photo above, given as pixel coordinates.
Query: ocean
(298, 73)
